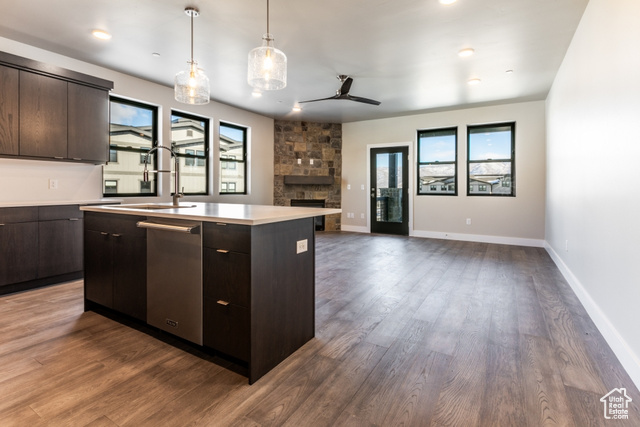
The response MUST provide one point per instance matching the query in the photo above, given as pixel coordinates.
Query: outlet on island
(301, 246)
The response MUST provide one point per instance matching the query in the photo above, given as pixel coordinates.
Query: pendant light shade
(192, 85)
(267, 65)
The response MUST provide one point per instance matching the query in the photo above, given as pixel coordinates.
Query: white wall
(515, 220)
(27, 181)
(593, 178)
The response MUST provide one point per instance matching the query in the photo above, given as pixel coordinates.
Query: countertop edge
(285, 213)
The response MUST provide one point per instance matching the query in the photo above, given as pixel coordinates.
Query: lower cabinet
(39, 245)
(115, 254)
(18, 245)
(60, 234)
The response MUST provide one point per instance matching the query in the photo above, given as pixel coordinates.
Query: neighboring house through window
(233, 155)
(437, 161)
(491, 160)
(190, 141)
(132, 133)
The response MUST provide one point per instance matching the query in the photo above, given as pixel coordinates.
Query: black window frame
(196, 158)
(153, 165)
(512, 160)
(232, 163)
(426, 132)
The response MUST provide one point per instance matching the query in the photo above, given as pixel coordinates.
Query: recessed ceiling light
(155, 54)
(466, 52)
(101, 34)
(296, 109)
(473, 81)
(256, 93)
(509, 71)
(447, 1)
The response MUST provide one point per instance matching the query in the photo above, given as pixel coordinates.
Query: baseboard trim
(501, 240)
(627, 358)
(354, 228)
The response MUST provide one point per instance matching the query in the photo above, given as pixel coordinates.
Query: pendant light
(192, 85)
(267, 65)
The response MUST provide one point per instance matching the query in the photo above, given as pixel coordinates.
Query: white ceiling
(400, 52)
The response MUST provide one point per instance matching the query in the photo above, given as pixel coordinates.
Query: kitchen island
(236, 280)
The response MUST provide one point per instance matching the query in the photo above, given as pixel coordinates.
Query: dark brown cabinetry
(18, 245)
(259, 293)
(226, 287)
(43, 116)
(52, 113)
(9, 111)
(115, 274)
(39, 246)
(88, 123)
(60, 233)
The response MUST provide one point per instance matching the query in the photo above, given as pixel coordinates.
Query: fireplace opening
(311, 203)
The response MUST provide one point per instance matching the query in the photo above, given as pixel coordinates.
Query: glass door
(389, 193)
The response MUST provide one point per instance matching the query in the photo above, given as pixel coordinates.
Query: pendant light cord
(191, 14)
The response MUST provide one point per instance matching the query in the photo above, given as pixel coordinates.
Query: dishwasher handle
(168, 227)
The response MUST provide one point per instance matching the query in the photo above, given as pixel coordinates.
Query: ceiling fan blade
(346, 86)
(316, 100)
(364, 100)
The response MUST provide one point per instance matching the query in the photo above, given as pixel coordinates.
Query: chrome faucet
(145, 174)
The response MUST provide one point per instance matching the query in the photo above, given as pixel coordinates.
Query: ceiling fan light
(267, 68)
(192, 86)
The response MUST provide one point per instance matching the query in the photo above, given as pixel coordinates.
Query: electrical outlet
(301, 246)
(310, 161)
(361, 216)
(566, 246)
(468, 221)
(53, 184)
(362, 187)
(348, 186)
(299, 161)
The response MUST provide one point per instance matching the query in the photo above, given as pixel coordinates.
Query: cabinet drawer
(226, 329)
(49, 213)
(18, 214)
(119, 224)
(232, 237)
(227, 276)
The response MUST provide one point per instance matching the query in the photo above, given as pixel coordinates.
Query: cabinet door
(98, 265)
(18, 252)
(226, 329)
(88, 123)
(60, 247)
(227, 276)
(130, 275)
(9, 110)
(43, 116)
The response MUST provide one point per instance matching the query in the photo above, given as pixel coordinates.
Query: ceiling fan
(343, 93)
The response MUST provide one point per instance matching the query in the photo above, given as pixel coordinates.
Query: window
(233, 154)
(190, 141)
(491, 160)
(110, 186)
(132, 133)
(437, 161)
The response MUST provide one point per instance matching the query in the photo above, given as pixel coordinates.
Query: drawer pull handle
(221, 302)
(220, 223)
(116, 235)
(104, 233)
(74, 219)
(223, 251)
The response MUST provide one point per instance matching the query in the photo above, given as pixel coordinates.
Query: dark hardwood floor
(409, 331)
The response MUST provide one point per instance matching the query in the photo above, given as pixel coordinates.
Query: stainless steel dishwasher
(174, 276)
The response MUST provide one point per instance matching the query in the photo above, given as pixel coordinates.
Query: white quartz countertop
(215, 212)
(30, 203)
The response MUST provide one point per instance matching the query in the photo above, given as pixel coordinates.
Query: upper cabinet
(43, 116)
(88, 120)
(52, 113)
(9, 106)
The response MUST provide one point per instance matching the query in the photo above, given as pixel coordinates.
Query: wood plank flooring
(409, 331)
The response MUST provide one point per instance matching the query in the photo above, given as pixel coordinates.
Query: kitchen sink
(152, 206)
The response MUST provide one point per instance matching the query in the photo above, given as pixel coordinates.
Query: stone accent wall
(297, 144)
